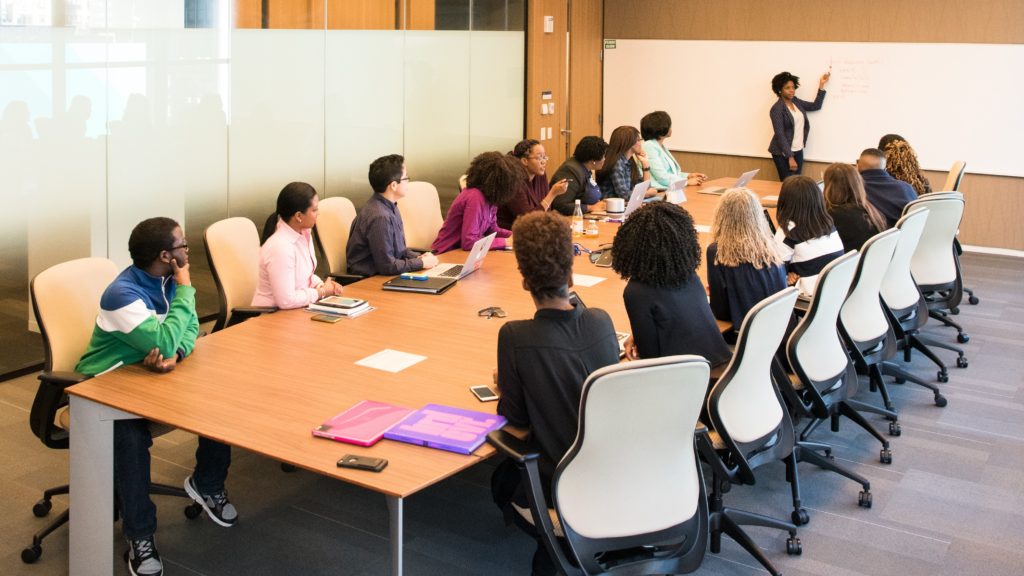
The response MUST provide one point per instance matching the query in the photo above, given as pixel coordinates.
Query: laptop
(474, 260)
(742, 181)
(435, 285)
(636, 198)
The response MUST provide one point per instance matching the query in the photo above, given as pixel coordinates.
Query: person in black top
(543, 362)
(657, 250)
(743, 265)
(579, 170)
(886, 193)
(855, 218)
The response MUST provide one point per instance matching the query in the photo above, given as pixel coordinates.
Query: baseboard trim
(996, 251)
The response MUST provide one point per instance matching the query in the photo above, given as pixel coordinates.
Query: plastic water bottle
(577, 220)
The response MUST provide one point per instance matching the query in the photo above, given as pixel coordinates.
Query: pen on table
(414, 277)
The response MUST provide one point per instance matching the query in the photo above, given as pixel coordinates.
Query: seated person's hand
(696, 179)
(630, 346)
(181, 273)
(329, 288)
(791, 278)
(155, 361)
(559, 188)
(428, 259)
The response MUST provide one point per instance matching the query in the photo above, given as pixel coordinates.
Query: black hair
(589, 149)
(543, 249)
(655, 125)
(780, 79)
(802, 203)
(497, 176)
(149, 238)
(884, 141)
(657, 245)
(295, 197)
(621, 141)
(384, 171)
(523, 148)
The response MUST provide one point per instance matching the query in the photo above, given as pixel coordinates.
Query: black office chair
(65, 300)
(629, 494)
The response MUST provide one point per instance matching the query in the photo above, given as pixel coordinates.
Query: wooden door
(586, 38)
(546, 77)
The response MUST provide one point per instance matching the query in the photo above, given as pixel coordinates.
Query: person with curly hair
(578, 171)
(901, 162)
(855, 218)
(625, 164)
(655, 128)
(492, 181)
(790, 127)
(543, 362)
(657, 251)
(535, 194)
(744, 266)
(806, 237)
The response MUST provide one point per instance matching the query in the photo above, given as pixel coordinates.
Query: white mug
(614, 205)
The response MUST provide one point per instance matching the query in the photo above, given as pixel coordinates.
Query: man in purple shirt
(376, 244)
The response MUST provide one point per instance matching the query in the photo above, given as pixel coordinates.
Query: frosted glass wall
(114, 111)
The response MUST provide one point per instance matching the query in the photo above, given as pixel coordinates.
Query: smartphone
(329, 318)
(362, 463)
(341, 302)
(483, 393)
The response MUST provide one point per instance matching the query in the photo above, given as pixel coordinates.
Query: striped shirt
(806, 259)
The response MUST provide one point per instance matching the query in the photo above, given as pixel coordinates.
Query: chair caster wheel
(31, 554)
(940, 401)
(885, 456)
(192, 511)
(942, 377)
(963, 338)
(864, 499)
(961, 362)
(794, 547)
(41, 508)
(895, 429)
(973, 300)
(800, 517)
(954, 311)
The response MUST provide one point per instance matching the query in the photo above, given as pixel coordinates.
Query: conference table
(264, 384)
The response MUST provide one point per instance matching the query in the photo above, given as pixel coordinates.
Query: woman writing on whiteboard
(789, 122)
(655, 128)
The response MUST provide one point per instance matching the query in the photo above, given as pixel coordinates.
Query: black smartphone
(362, 463)
(483, 393)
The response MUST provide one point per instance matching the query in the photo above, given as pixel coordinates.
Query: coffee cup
(614, 205)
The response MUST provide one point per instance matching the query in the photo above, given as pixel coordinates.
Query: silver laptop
(742, 181)
(473, 261)
(636, 198)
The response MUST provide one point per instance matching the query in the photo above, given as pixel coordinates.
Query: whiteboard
(951, 101)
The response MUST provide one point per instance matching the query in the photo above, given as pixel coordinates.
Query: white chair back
(643, 412)
(933, 263)
(817, 347)
(333, 226)
(421, 214)
(899, 291)
(233, 248)
(66, 298)
(862, 314)
(748, 407)
(955, 176)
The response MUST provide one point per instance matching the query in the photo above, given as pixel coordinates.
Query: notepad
(446, 428)
(363, 424)
(586, 280)
(390, 360)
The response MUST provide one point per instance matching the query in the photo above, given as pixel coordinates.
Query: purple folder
(446, 428)
(363, 424)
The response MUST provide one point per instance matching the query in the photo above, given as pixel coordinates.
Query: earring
(300, 219)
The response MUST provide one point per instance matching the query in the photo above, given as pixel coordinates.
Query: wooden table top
(264, 384)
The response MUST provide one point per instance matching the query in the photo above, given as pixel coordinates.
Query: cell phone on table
(329, 318)
(483, 393)
(362, 463)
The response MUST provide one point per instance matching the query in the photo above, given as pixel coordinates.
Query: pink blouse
(287, 266)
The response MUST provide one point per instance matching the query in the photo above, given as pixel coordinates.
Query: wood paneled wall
(995, 204)
(546, 71)
(585, 69)
(341, 14)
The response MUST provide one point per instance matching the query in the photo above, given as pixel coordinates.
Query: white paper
(702, 228)
(585, 280)
(391, 360)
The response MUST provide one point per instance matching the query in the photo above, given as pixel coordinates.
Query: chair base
(729, 522)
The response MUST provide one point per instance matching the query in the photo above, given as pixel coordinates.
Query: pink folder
(363, 424)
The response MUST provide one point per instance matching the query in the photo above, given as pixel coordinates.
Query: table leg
(395, 512)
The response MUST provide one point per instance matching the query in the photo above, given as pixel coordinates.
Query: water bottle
(577, 220)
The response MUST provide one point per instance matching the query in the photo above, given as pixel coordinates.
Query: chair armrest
(62, 379)
(420, 250)
(243, 313)
(705, 447)
(512, 446)
(346, 279)
(50, 397)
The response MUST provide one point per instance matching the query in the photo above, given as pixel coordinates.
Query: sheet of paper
(390, 360)
(585, 280)
(702, 228)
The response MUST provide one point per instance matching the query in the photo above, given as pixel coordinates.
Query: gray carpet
(952, 502)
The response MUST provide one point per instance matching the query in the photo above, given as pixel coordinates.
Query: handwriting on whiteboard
(853, 76)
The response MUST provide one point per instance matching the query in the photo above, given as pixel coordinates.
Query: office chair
(955, 176)
(824, 378)
(462, 182)
(331, 232)
(903, 301)
(935, 264)
(628, 495)
(421, 215)
(65, 301)
(749, 427)
(233, 249)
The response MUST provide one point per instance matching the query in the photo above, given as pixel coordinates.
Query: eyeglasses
(491, 312)
(406, 179)
(540, 158)
(182, 245)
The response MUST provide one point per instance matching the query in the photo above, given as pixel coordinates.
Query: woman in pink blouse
(287, 258)
(493, 179)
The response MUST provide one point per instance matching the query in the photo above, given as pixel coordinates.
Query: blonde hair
(845, 187)
(901, 162)
(741, 231)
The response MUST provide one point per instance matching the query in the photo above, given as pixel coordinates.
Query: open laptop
(474, 260)
(742, 181)
(636, 198)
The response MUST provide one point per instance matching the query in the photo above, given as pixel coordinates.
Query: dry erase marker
(414, 277)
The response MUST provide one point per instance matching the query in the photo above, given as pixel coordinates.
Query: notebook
(363, 424)
(340, 306)
(446, 428)
(742, 181)
(474, 261)
(435, 285)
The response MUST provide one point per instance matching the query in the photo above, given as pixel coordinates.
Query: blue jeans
(132, 439)
(782, 165)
